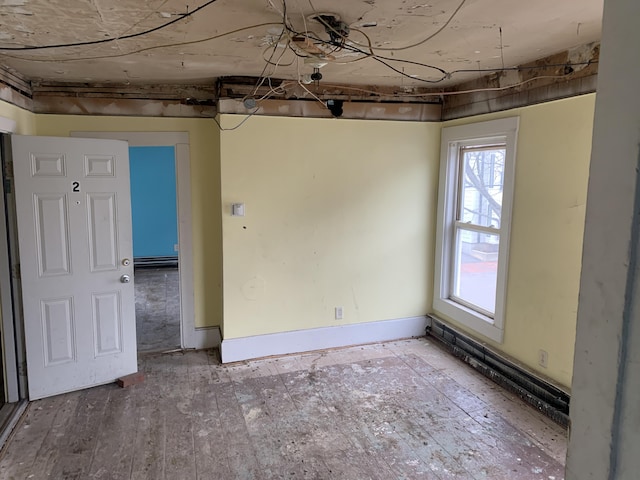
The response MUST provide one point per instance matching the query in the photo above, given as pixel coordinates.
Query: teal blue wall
(153, 201)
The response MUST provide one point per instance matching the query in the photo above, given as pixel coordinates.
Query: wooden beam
(568, 73)
(242, 87)
(565, 74)
(416, 112)
(198, 93)
(67, 105)
(15, 89)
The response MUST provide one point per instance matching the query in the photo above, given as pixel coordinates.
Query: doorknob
(125, 278)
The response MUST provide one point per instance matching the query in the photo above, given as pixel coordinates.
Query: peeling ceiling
(246, 37)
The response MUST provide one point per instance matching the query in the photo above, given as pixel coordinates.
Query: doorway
(191, 337)
(155, 247)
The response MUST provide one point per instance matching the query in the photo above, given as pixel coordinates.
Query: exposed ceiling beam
(567, 73)
(415, 112)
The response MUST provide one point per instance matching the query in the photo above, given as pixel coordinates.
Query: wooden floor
(402, 410)
(157, 308)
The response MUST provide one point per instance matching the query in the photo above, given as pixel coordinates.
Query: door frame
(191, 337)
(8, 324)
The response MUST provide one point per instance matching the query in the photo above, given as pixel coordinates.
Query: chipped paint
(386, 23)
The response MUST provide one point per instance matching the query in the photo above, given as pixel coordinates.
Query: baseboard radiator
(155, 262)
(542, 395)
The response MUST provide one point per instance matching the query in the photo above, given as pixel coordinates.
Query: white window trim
(505, 131)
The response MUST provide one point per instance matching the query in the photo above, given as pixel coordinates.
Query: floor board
(400, 410)
(157, 292)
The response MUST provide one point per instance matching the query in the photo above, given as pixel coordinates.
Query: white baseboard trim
(298, 341)
(207, 337)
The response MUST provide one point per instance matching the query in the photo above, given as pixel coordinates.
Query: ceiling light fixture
(335, 107)
(337, 30)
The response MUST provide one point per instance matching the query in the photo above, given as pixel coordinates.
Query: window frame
(502, 131)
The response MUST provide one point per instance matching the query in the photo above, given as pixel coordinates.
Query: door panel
(103, 234)
(107, 323)
(58, 329)
(52, 238)
(74, 234)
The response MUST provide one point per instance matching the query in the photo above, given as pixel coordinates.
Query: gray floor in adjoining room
(157, 293)
(399, 410)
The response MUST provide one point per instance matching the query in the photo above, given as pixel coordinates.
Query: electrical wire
(272, 91)
(383, 60)
(421, 42)
(141, 50)
(346, 44)
(111, 39)
(284, 85)
(523, 67)
(268, 60)
(270, 2)
(413, 77)
(153, 11)
(379, 58)
(262, 77)
(304, 20)
(496, 89)
(372, 92)
(288, 28)
(223, 129)
(307, 90)
(434, 94)
(445, 75)
(276, 44)
(391, 59)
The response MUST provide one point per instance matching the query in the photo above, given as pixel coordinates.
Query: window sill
(471, 319)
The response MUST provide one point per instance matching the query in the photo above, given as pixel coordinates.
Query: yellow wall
(552, 168)
(342, 212)
(338, 213)
(25, 120)
(205, 190)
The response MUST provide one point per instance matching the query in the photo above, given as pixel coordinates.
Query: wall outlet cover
(543, 358)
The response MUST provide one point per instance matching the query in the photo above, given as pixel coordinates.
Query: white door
(74, 234)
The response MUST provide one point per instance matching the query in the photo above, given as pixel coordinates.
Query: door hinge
(8, 186)
(8, 169)
(15, 271)
(22, 369)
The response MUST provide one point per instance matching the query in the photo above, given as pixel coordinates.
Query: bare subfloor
(157, 308)
(402, 410)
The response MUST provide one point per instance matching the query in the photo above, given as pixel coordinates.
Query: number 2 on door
(76, 186)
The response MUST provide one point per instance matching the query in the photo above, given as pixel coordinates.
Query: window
(474, 212)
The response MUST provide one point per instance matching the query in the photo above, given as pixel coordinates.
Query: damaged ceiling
(399, 43)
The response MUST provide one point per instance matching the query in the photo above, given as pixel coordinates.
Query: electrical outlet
(543, 358)
(339, 313)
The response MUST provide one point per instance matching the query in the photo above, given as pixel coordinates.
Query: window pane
(481, 186)
(475, 268)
